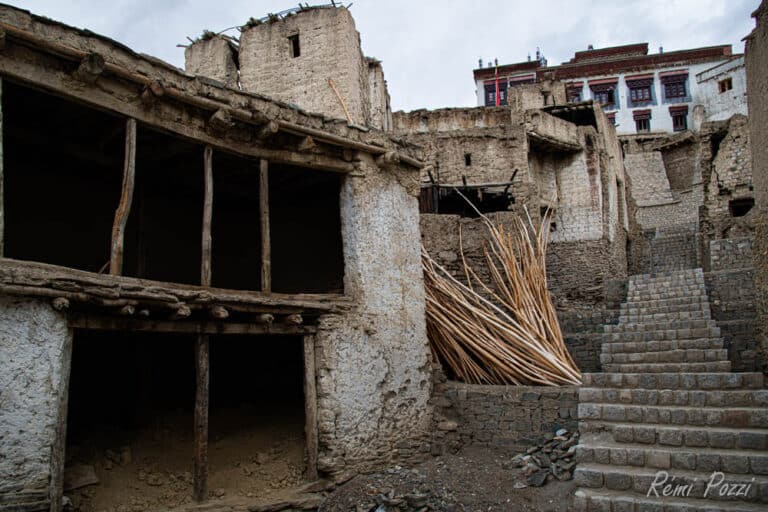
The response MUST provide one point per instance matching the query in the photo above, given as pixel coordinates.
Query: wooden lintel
(388, 159)
(91, 68)
(307, 144)
(268, 130)
(218, 312)
(143, 323)
(266, 244)
(126, 198)
(205, 265)
(152, 92)
(200, 464)
(294, 319)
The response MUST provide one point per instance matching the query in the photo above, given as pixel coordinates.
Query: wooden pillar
(310, 406)
(200, 469)
(266, 244)
(126, 198)
(202, 367)
(2, 179)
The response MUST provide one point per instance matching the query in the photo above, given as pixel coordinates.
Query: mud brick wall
(680, 164)
(583, 331)
(731, 254)
(732, 302)
(756, 56)
(506, 417)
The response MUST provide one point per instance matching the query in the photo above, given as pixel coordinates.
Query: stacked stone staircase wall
(668, 408)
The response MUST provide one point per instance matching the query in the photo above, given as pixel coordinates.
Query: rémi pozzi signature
(664, 485)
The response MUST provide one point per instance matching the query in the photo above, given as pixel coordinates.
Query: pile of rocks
(554, 459)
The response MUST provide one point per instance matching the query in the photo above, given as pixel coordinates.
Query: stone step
(601, 449)
(671, 292)
(674, 380)
(665, 303)
(711, 367)
(731, 417)
(697, 314)
(661, 346)
(640, 480)
(667, 286)
(677, 397)
(650, 325)
(603, 500)
(691, 436)
(697, 273)
(666, 356)
(663, 334)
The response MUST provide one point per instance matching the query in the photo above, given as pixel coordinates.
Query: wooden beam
(310, 407)
(200, 466)
(266, 243)
(142, 323)
(205, 264)
(91, 68)
(307, 144)
(267, 131)
(126, 198)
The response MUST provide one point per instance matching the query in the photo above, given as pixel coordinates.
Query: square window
(675, 88)
(679, 122)
(740, 207)
(725, 85)
(643, 125)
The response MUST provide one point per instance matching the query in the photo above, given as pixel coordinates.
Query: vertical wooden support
(126, 198)
(202, 368)
(266, 244)
(310, 406)
(58, 453)
(2, 179)
(200, 469)
(205, 267)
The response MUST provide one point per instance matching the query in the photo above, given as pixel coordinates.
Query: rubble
(553, 459)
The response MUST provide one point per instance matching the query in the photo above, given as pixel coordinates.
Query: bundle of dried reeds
(511, 337)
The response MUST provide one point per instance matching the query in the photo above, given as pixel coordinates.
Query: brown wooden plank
(142, 324)
(205, 264)
(310, 407)
(200, 466)
(266, 243)
(126, 198)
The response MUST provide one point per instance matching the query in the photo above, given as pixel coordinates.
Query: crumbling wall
(756, 56)
(214, 58)
(330, 50)
(374, 362)
(35, 349)
(681, 165)
(381, 111)
(729, 179)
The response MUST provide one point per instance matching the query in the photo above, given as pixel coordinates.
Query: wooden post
(310, 407)
(266, 244)
(202, 368)
(126, 198)
(2, 178)
(205, 268)
(200, 469)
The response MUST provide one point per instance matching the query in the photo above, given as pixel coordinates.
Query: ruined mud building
(256, 220)
(163, 231)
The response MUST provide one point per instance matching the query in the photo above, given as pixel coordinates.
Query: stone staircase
(668, 411)
(674, 249)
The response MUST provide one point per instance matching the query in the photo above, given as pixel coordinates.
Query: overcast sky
(429, 47)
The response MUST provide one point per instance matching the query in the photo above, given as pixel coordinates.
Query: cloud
(429, 47)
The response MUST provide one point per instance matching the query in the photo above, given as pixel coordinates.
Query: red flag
(498, 100)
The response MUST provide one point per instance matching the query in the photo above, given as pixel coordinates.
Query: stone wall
(35, 352)
(212, 57)
(374, 363)
(510, 418)
(681, 165)
(756, 55)
(381, 111)
(330, 50)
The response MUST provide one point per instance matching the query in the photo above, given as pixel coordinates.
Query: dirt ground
(476, 479)
(152, 469)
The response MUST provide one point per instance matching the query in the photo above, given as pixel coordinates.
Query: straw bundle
(513, 337)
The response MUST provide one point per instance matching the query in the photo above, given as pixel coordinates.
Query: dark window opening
(640, 92)
(131, 419)
(643, 125)
(574, 94)
(447, 200)
(164, 233)
(725, 85)
(714, 142)
(305, 229)
(612, 119)
(63, 177)
(605, 94)
(295, 45)
(740, 207)
(490, 94)
(467, 159)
